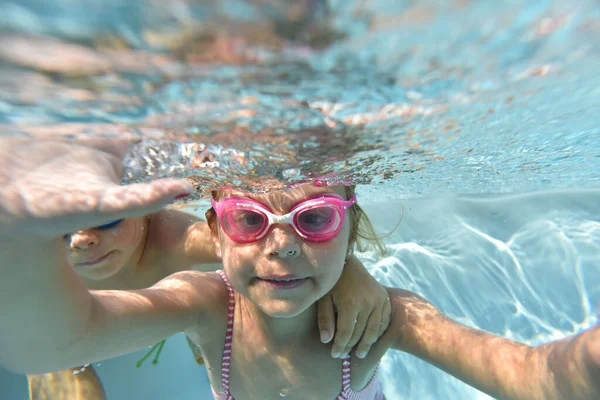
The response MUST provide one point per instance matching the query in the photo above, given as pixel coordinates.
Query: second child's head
(101, 252)
(286, 250)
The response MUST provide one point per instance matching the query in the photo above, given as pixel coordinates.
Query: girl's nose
(284, 243)
(83, 240)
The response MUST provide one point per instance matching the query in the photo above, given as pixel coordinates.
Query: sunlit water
(475, 119)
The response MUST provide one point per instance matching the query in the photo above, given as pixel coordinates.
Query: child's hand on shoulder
(363, 311)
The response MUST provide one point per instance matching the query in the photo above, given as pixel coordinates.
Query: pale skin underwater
(137, 252)
(82, 326)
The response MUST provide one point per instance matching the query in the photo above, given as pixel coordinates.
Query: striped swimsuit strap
(371, 392)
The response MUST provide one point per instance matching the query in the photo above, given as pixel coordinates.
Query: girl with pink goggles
(316, 220)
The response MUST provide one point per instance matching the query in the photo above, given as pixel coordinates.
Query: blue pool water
(477, 121)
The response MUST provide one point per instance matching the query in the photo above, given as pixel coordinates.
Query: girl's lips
(283, 283)
(94, 262)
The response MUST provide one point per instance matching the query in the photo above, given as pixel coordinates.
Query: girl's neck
(278, 330)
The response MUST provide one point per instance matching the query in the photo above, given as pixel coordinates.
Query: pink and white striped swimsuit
(373, 390)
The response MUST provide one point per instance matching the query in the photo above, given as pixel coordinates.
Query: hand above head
(52, 187)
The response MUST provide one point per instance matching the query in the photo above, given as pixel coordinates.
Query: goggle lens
(244, 224)
(318, 221)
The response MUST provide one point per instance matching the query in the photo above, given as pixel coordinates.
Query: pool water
(474, 121)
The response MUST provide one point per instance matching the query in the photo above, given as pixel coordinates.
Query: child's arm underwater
(181, 241)
(53, 322)
(565, 369)
(48, 318)
(356, 311)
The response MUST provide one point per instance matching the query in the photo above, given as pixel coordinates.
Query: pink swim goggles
(315, 220)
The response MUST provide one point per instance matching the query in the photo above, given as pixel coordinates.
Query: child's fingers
(143, 198)
(326, 318)
(370, 335)
(386, 316)
(344, 331)
(60, 213)
(116, 147)
(360, 323)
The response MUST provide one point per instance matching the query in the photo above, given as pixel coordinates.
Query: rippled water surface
(476, 119)
(428, 97)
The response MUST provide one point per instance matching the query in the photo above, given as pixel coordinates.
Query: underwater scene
(470, 128)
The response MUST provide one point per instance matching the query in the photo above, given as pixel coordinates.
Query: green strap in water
(158, 346)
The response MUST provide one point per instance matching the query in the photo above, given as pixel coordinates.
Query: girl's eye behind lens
(243, 221)
(248, 219)
(318, 218)
(110, 224)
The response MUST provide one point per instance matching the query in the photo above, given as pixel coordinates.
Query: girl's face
(101, 252)
(282, 273)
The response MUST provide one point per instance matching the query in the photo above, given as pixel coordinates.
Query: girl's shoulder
(213, 308)
(197, 287)
(205, 292)
(412, 315)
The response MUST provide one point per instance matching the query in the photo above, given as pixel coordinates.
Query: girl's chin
(283, 308)
(99, 274)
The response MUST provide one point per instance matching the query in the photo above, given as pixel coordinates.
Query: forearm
(497, 366)
(43, 306)
(50, 321)
(127, 321)
(509, 370)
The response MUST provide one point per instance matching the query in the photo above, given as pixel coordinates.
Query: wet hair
(362, 234)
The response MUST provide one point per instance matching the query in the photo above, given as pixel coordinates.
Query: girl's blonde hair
(362, 233)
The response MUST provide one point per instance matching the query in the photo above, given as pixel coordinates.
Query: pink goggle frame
(316, 220)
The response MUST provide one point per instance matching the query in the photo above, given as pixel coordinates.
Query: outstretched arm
(55, 323)
(48, 318)
(566, 369)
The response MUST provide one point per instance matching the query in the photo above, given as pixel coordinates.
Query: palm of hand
(51, 187)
